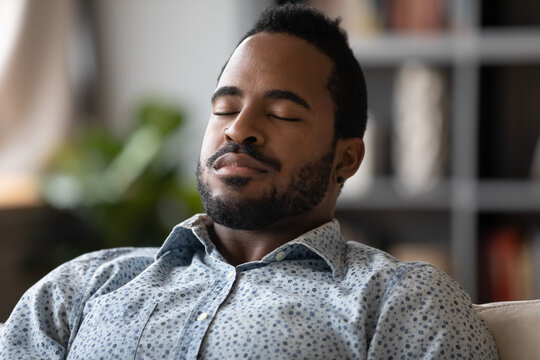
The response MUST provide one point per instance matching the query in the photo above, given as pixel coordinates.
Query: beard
(306, 189)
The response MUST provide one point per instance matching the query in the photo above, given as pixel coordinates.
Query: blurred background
(103, 105)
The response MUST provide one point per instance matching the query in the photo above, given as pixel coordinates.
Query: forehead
(278, 60)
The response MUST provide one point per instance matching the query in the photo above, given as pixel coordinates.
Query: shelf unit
(463, 48)
(520, 44)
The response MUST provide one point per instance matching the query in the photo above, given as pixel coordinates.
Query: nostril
(250, 140)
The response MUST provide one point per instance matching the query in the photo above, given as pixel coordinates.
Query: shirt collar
(323, 242)
(184, 236)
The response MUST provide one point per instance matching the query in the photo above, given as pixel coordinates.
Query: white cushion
(515, 326)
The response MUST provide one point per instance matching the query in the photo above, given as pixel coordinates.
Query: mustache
(234, 147)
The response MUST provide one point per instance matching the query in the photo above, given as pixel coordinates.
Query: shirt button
(231, 274)
(202, 317)
(281, 255)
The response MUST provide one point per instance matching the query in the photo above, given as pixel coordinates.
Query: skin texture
(273, 96)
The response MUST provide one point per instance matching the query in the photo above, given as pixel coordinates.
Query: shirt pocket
(110, 330)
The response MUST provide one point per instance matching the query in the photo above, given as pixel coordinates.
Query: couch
(515, 325)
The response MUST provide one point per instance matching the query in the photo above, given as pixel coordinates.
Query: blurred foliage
(123, 188)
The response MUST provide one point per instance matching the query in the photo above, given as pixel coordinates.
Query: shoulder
(86, 274)
(400, 277)
(88, 264)
(431, 311)
(363, 260)
(123, 254)
(71, 284)
(51, 309)
(436, 316)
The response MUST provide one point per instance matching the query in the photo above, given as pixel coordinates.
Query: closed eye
(225, 113)
(283, 118)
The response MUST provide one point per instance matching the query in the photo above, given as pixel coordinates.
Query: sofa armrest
(515, 326)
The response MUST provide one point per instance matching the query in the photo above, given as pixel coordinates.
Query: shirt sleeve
(42, 322)
(427, 315)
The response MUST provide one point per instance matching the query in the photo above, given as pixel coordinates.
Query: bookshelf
(489, 46)
(466, 202)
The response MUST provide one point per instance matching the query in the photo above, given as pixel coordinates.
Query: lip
(239, 164)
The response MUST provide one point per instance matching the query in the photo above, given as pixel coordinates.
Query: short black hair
(346, 83)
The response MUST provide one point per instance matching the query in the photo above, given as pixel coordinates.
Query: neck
(241, 246)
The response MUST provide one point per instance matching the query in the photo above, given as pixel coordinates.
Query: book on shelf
(534, 239)
(364, 17)
(417, 16)
(510, 265)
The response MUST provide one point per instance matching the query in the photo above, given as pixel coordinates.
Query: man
(265, 274)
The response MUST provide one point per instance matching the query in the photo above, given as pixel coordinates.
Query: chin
(249, 192)
(237, 183)
(240, 184)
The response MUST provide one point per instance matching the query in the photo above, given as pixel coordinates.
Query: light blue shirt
(316, 297)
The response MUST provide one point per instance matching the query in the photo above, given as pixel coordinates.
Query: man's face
(268, 150)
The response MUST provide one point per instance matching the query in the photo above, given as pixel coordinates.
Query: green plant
(123, 189)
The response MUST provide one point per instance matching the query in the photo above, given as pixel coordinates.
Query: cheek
(306, 151)
(211, 141)
(308, 148)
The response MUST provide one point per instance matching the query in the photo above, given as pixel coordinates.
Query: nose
(246, 129)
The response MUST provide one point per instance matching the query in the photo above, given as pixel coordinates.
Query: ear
(349, 156)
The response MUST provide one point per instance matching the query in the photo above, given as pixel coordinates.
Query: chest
(210, 314)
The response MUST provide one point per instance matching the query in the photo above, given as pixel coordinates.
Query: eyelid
(283, 118)
(225, 113)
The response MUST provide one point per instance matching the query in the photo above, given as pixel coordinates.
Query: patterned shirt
(315, 297)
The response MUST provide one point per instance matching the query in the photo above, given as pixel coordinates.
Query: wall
(169, 49)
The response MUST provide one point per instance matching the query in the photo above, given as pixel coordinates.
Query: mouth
(234, 164)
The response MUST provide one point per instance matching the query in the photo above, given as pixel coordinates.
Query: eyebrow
(226, 90)
(287, 95)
